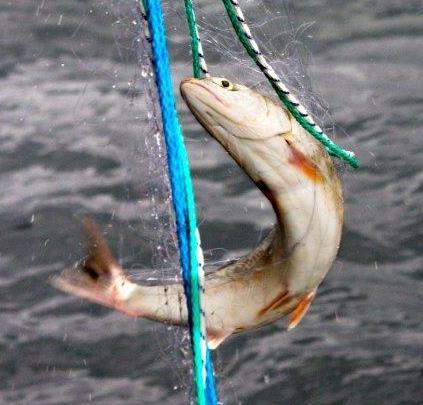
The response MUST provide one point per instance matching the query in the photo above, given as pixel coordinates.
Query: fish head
(262, 137)
(229, 110)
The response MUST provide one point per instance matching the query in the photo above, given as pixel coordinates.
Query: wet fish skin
(278, 278)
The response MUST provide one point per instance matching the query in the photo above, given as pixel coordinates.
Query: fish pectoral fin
(214, 339)
(279, 301)
(300, 310)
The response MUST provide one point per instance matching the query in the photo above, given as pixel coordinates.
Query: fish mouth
(196, 83)
(203, 101)
(223, 118)
(241, 113)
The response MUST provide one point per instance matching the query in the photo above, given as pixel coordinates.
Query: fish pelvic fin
(281, 299)
(300, 310)
(98, 278)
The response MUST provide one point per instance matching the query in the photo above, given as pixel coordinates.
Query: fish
(280, 277)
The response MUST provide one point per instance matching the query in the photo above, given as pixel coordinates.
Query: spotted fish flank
(281, 275)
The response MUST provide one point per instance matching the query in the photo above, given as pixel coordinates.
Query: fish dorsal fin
(300, 310)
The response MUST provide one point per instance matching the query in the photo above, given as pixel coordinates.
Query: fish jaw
(254, 116)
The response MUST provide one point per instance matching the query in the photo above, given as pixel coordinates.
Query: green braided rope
(284, 96)
(198, 63)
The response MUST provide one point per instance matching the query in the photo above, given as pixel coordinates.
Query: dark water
(75, 138)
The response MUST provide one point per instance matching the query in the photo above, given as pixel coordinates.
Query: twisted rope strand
(145, 22)
(288, 99)
(198, 62)
(191, 254)
(200, 68)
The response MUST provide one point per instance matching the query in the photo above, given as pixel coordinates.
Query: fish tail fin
(98, 277)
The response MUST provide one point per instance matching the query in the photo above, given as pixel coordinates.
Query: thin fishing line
(288, 99)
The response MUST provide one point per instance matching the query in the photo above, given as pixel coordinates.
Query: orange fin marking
(215, 339)
(300, 310)
(310, 170)
(275, 303)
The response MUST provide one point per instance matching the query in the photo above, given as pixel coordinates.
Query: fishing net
(134, 210)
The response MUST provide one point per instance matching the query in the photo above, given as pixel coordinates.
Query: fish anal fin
(214, 338)
(300, 310)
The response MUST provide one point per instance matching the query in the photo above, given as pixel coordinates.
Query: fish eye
(226, 84)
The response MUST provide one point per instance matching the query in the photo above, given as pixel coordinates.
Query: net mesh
(139, 223)
(145, 162)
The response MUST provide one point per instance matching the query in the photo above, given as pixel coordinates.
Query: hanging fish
(280, 277)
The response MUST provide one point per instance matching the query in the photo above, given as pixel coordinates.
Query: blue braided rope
(183, 201)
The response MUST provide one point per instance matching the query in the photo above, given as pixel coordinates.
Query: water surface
(75, 139)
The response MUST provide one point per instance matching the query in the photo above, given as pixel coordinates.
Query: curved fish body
(280, 277)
